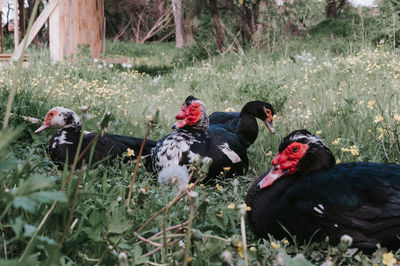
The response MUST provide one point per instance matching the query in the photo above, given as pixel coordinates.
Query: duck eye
(295, 149)
(51, 114)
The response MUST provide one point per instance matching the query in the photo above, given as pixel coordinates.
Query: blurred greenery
(335, 80)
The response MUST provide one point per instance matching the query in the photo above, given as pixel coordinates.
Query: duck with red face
(306, 194)
(64, 142)
(194, 139)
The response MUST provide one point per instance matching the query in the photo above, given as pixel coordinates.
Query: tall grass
(351, 99)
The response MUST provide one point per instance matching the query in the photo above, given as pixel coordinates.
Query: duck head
(60, 117)
(192, 114)
(299, 153)
(263, 111)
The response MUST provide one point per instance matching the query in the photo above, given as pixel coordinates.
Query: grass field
(351, 99)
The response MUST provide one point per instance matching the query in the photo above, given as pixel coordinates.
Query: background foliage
(339, 79)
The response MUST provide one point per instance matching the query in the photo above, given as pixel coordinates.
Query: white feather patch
(310, 139)
(173, 147)
(228, 152)
(319, 209)
(61, 140)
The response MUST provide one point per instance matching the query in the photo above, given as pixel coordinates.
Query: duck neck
(273, 193)
(247, 127)
(74, 129)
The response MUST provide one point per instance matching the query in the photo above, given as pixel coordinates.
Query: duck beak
(271, 176)
(44, 126)
(270, 126)
(179, 124)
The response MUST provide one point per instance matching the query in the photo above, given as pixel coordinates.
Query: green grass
(336, 95)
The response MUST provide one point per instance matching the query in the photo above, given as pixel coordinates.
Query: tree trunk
(259, 23)
(195, 11)
(177, 10)
(238, 21)
(22, 17)
(219, 31)
(332, 9)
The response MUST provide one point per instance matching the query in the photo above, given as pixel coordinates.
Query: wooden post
(22, 17)
(76, 23)
(1, 31)
(16, 25)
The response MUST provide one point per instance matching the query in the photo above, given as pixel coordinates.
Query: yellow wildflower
(275, 245)
(381, 132)
(229, 109)
(239, 248)
(190, 186)
(253, 249)
(336, 141)
(388, 259)
(227, 168)
(231, 206)
(396, 117)
(343, 149)
(378, 118)
(269, 153)
(338, 161)
(218, 187)
(219, 215)
(130, 152)
(240, 2)
(319, 132)
(355, 150)
(285, 242)
(202, 185)
(371, 104)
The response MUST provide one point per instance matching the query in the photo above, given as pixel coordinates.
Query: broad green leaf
(29, 260)
(33, 183)
(25, 203)
(7, 164)
(47, 240)
(49, 196)
(299, 261)
(118, 223)
(29, 230)
(17, 226)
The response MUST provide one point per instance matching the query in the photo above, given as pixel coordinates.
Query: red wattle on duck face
(180, 115)
(284, 163)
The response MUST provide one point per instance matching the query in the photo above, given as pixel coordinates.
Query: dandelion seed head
(174, 175)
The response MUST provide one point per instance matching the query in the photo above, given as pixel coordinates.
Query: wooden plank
(3, 3)
(35, 27)
(7, 57)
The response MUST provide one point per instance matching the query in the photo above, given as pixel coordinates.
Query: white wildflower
(347, 238)
(226, 256)
(175, 175)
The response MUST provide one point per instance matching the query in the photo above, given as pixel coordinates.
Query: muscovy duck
(306, 193)
(65, 140)
(194, 140)
(244, 123)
